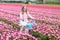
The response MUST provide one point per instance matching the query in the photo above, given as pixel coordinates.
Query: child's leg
(26, 30)
(22, 24)
(21, 29)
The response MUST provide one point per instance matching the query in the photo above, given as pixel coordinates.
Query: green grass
(47, 3)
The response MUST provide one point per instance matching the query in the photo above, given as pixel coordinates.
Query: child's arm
(30, 16)
(20, 15)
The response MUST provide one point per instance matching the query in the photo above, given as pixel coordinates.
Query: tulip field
(47, 26)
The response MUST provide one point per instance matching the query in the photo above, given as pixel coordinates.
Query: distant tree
(41, 1)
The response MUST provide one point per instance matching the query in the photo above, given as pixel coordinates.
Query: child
(24, 15)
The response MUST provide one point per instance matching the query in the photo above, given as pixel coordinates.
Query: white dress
(25, 18)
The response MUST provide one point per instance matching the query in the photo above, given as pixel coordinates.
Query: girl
(24, 15)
